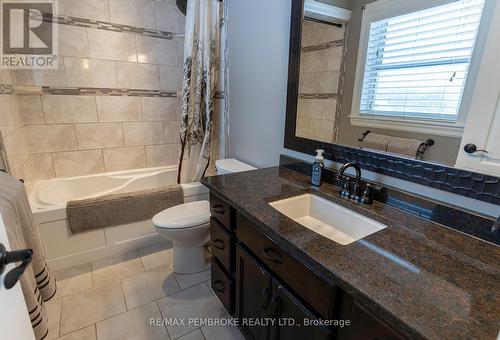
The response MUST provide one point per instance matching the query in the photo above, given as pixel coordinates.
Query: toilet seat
(184, 216)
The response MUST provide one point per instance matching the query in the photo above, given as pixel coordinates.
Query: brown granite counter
(424, 279)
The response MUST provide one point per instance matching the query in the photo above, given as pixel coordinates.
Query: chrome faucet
(356, 191)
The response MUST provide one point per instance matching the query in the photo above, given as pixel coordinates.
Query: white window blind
(417, 63)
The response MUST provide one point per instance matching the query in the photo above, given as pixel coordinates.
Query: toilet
(187, 226)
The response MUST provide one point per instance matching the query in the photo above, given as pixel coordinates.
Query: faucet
(354, 192)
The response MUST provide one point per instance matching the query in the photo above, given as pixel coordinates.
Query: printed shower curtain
(201, 69)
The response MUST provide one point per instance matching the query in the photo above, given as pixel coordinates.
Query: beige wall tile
(51, 138)
(143, 133)
(111, 45)
(30, 109)
(315, 61)
(73, 41)
(88, 9)
(138, 13)
(137, 76)
(17, 150)
(160, 155)
(334, 56)
(156, 51)
(171, 131)
(160, 108)
(6, 77)
(90, 72)
(169, 18)
(118, 109)
(78, 163)
(10, 119)
(69, 109)
(42, 77)
(323, 82)
(42, 166)
(124, 158)
(170, 78)
(100, 135)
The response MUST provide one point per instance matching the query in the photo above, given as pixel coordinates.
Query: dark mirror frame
(462, 182)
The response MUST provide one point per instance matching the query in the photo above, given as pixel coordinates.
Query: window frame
(384, 9)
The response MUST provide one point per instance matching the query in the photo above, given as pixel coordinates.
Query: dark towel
(124, 208)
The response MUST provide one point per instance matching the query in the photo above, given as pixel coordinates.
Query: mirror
(396, 78)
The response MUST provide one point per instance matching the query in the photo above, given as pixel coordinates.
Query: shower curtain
(201, 69)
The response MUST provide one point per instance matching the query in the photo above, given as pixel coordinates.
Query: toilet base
(189, 259)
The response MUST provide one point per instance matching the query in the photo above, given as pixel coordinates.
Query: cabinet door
(253, 291)
(290, 316)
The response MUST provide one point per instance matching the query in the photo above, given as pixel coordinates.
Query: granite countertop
(424, 279)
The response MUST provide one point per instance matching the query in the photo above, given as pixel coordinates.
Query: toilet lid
(185, 215)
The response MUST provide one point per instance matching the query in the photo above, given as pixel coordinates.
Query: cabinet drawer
(222, 285)
(222, 244)
(221, 211)
(315, 291)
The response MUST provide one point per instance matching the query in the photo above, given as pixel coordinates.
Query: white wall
(258, 43)
(258, 34)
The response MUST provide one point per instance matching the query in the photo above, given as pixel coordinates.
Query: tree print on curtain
(201, 69)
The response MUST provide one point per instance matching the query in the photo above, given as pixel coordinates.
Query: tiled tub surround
(321, 61)
(425, 280)
(112, 104)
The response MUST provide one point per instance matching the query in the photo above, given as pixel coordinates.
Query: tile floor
(116, 298)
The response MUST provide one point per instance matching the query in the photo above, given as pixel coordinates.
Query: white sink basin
(326, 218)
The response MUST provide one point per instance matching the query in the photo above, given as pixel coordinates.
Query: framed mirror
(407, 88)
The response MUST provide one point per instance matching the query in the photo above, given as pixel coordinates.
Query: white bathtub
(63, 249)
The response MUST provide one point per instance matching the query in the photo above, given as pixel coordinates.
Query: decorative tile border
(7, 89)
(94, 91)
(318, 95)
(108, 26)
(323, 46)
(102, 91)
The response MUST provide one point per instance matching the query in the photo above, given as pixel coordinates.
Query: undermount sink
(326, 218)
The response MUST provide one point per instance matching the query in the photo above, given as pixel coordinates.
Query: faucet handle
(346, 187)
(367, 196)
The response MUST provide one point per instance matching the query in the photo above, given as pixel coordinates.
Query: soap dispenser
(317, 168)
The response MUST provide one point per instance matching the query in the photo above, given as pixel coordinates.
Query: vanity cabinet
(266, 308)
(222, 238)
(274, 294)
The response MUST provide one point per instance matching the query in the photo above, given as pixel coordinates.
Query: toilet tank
(227, 166)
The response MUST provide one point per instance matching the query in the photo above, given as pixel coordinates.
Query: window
(416, 64)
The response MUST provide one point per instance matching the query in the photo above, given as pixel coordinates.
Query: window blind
(417, 63)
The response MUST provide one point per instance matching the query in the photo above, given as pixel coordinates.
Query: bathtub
(48, 199)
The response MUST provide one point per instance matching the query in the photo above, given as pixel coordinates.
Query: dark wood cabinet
(272, 292)
(294, 320)
(253, 291)
(262, 299)
(222, 244)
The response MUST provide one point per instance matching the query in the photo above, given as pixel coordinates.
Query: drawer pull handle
(219, 209)
(274, 306)
(219, 244)
(272, 255)
(266, 292)
(219, 286)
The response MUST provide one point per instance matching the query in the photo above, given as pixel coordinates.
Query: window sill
(435, 128)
